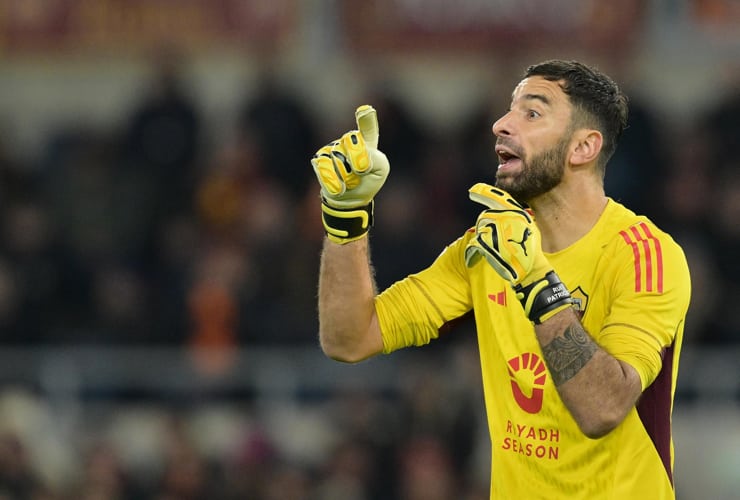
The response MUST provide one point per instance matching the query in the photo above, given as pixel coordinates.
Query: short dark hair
(598, 101)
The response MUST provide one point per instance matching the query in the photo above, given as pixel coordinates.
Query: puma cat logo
(521, 243)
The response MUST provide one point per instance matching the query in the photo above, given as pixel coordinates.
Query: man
(579, 315)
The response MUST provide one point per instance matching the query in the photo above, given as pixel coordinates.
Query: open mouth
(506, 157)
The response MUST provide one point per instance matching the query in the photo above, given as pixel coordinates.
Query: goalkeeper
(579, 303)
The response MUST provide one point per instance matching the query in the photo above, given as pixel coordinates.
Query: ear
(587, 146)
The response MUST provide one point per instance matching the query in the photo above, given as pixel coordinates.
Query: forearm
(598, 389)
(348, 328)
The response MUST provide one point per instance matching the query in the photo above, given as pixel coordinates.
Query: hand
(351, 171)
(508, 239)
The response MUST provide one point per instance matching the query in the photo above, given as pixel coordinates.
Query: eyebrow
(537, 97)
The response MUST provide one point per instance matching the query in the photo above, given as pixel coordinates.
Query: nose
(502, 126)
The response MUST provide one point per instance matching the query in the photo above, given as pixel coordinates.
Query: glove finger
(367, 123)
(326, 170)
(493, 197)
(359, 159)
(472, 254)
(495, 245)
(483, 246)
(495, 214)
(343, 166)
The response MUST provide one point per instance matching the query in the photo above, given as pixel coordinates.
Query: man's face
(533, 138)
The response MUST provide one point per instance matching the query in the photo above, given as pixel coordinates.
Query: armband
(544, 298)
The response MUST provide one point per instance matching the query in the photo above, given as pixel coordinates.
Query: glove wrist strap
(543, 298)
(345, 225)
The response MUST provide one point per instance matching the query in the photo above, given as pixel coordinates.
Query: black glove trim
(345, 225)
(543, 296)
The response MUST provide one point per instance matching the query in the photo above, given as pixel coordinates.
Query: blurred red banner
(418, 25)
(115, 25)
(720, 16)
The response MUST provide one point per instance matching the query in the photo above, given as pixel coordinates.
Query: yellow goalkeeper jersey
(631, 285)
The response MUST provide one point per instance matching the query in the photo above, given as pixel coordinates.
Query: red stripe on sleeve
(636, 254)
(658, 255)
(648, 256)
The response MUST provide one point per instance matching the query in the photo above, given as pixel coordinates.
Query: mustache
(509, 144)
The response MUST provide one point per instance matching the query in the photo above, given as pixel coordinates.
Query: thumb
(367, 123)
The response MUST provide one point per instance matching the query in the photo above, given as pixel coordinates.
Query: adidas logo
(498, 298)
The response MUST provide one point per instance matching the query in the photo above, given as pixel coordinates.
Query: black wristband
(543, 296)
(346, 224)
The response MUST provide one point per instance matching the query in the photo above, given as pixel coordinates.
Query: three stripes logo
(648, 257)
(498, 298)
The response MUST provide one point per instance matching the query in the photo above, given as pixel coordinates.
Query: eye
(532, 114)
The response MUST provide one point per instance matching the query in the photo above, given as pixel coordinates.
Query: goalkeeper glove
(505, 235)
(351, 171)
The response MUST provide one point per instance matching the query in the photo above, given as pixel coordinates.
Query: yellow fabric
(537, 449)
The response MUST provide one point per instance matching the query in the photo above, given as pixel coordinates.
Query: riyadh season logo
(528, 375)
(529, 370)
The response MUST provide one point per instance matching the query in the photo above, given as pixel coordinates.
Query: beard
(538, 174)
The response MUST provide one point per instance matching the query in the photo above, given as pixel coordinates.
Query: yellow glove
(351, 171)
(508, 239)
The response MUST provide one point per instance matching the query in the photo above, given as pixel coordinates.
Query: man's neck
(565, 215)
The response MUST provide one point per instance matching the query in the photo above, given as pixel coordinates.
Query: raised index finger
(367, 123)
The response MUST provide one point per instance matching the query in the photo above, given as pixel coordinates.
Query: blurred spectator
(403, 137)
(443, 408)
(724, 327)
(287, 481)
(426, 471)
(283, 131)
(721, 123)
(639, 163)
(29, 279)
(477, 145)
(348, 474)
(402, 237)
(447, 209)
(77, 183)
(155, 176)
(246, 473)
(721, 127)
(685, 196)
(103, 477)
(247, 219)
(162, 137)
(17, 477)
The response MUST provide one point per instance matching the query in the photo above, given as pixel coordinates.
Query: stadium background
(160, 234)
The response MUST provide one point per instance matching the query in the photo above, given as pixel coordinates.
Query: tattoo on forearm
(566, 355)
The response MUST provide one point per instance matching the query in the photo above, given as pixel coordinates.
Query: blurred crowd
(156, 234)
(425, 439)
